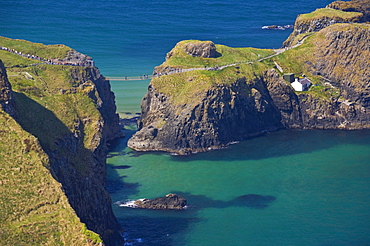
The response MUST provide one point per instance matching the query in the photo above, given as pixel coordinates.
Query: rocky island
(55, 122)
(169, 202)
(206, 96)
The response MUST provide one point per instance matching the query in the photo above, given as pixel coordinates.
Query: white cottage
(301, 84)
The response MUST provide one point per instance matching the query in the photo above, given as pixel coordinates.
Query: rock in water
(169, 202)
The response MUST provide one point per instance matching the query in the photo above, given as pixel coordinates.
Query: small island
(169, 202)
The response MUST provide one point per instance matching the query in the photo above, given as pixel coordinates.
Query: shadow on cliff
(281, 143)
(69, 159)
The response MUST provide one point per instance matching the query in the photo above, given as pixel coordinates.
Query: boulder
(206, 49)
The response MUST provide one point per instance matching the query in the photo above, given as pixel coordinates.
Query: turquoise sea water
(284, 188)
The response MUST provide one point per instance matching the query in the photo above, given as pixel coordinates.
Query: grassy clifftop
(330, 13)
(37, 49)
(33, 208)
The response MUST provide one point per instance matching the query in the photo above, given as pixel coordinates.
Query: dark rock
(169, 202)
(7, 102)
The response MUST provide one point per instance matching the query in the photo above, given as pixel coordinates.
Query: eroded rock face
(6, 97)
(362, 6)
(226, 113)
(169, 202)
(308, 25)
(206, 49)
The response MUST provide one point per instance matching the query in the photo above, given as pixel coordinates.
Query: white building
(301, 84)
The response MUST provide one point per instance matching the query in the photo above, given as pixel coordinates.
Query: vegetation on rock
(53, 159)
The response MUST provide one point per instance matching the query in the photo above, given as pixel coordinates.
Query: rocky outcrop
(227, 113)
(318, 20)
(86, 189)
(102, 96)
(169, 202)
(201, 49)
(6, 97)
(362, 6)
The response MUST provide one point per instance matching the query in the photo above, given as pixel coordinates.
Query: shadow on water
(254, 201)
(162, 227)
(281, 143)
(143, 230)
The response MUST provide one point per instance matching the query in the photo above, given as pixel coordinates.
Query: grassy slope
(33, 209)
(228, 55)
(188, 87)
(44, 51)
(329, 13)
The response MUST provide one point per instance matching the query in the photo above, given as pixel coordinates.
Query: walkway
(277, 52)
(49, 61)
(145, 76)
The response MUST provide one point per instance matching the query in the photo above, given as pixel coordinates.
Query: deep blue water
(285, 188)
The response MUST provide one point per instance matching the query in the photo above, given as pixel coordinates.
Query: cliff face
(6, 96)
(318, 20)
(362, 6)
(86, 187)
(226, 113)
(70, 110)
(336, 58)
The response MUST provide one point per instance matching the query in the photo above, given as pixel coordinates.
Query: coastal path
(277, 52)
(146, 76)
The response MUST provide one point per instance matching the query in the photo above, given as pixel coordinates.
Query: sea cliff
(200, 103)
(56, 122)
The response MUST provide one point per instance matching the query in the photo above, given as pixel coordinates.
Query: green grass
(330, 13)
(33, 207)
(44, 51)
(52, 105)
(180, 59)
(189, 87)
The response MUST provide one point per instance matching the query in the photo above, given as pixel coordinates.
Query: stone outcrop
(86, 191)
(362, 6)
(169, 202)
(201, 49)
(6, 97)
(318, 20)
(224, 115)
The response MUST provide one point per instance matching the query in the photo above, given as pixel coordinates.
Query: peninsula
(206, 96)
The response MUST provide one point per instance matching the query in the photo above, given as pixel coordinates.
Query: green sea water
(283, 188)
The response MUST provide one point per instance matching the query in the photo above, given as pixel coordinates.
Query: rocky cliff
(361, 6)
(70, 111)
(6, 95)
(319, 19)
(192, 111)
